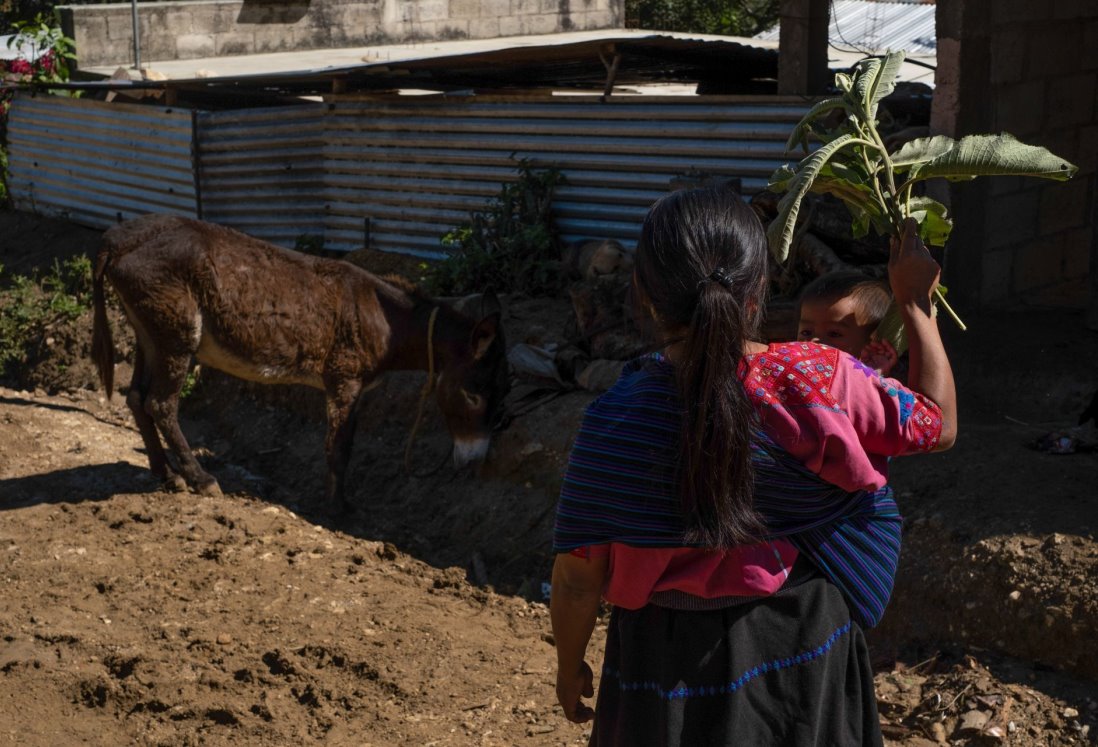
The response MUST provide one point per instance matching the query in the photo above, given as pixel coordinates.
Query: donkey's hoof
(211, 489)
(173, 483)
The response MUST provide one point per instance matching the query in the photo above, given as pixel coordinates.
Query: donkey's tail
(102, 340)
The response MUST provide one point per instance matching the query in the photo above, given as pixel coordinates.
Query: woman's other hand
(571, 688)
(574, 603)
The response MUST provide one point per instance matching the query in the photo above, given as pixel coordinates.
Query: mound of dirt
(419, 618)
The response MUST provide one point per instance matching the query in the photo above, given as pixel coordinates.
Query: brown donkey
(261, 313)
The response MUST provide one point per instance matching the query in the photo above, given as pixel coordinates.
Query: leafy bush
(51, 53)
(29, 306)
(510, 246)
(733, 17)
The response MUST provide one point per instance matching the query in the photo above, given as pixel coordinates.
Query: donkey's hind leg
(135, 399)
(168, 372)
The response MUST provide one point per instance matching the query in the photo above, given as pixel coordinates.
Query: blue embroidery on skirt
(692, 692)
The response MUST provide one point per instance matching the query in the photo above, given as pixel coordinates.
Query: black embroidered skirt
(791, 669)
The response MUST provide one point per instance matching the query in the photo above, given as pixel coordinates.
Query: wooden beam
(802, 47)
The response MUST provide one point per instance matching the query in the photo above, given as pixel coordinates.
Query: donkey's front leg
(343, 399)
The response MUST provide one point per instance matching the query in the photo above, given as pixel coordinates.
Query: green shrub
(29, 306)
(512, 246)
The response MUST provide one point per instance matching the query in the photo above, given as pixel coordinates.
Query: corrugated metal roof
(875, 27)
(723, 64)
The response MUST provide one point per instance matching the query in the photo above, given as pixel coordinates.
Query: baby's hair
(871, 297)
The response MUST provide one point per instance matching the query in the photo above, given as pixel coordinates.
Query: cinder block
(311, 37)
(1020, 107)
(156, 47)
(223, 18)
(995, 273)
(271, 39)
(1001, 186)
(449, 30)
(1064, 205)
(1087, 155)
(433, 10)
(1012, 219)
(1038, 264)
(1077, 245)
(238, 42)
(119, 26)
(1070, 100)
(1054, 50)
(464, 9)
(1008, 55)
(498, 8)
(179, 22)
(510, 26)
(1088, 54)
(484, 28)
(1019, 11)
(1073, 10)
(191, 46)
(540, 23)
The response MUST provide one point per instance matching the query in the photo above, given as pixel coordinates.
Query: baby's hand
(880, 355)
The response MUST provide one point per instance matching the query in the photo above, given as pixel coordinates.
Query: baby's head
(842, 309)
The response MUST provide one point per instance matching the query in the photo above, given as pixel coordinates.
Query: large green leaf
(875, 78)
(780, 233)
(799, 136)
(919, 151)
(993, 155)
(934, 222)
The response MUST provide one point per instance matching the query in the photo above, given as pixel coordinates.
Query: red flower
(20, 67)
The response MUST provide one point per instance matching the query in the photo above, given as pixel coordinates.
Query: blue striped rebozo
(621, 480)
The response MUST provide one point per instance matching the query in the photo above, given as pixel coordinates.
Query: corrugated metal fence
(96, 163)
(415, 168)
(261, 171)
(403, 170)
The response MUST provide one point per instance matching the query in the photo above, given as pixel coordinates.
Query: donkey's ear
(489, 304)
(484, 334)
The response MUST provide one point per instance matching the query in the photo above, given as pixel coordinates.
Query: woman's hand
(573, 686)
(912, 272)
(573, 608)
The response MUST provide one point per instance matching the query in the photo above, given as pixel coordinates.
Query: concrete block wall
(211, 28)
(1030, 69)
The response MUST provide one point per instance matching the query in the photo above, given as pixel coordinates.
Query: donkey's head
(473, 383)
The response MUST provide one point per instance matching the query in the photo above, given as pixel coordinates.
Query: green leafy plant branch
(510, 246)
(31, 305)
(853, 164)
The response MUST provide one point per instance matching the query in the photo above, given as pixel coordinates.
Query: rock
(973, 722)
(600, 375)
(1071, 713)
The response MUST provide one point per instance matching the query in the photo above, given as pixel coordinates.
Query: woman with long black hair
(729, 498)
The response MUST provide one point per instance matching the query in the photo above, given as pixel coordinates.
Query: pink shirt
(840, 418)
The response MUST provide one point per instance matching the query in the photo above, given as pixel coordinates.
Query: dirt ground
(133, 616)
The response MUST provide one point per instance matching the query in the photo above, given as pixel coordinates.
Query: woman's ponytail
(701, 266)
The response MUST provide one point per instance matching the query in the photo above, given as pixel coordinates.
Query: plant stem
(940, 298)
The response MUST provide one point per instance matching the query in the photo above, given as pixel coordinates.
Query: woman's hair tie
(721, 276)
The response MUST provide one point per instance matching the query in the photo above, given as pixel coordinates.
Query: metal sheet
(260, 171)
(97, 163)
(415, 168)
(876, 26)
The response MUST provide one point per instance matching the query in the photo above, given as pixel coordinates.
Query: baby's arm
(879, 355)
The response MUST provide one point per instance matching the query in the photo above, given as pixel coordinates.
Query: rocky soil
(133, 616)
